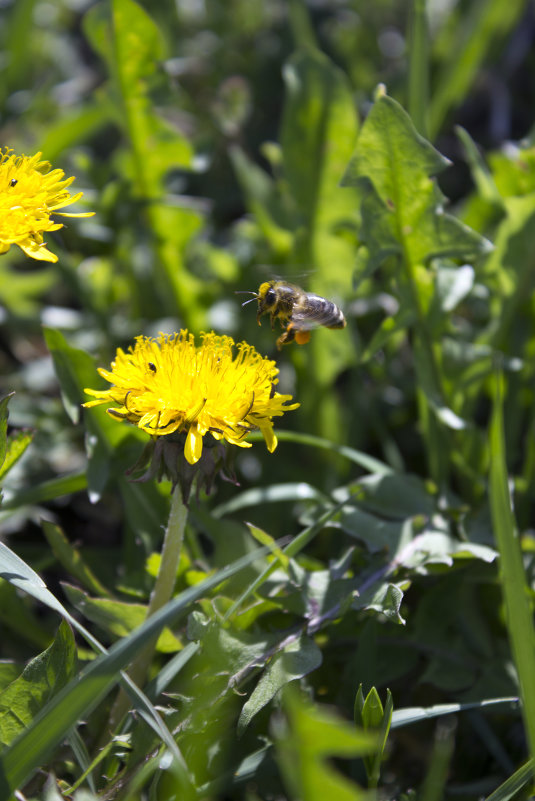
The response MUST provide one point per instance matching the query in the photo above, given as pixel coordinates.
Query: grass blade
(512, 575)
(415, 714)
(358, 457)
(513, 784)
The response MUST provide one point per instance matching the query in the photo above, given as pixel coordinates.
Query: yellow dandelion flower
(30, 192)
(170, 385)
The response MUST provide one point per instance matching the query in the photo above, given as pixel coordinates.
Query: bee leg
(287, 337)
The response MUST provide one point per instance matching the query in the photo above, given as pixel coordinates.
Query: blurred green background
(211, 140)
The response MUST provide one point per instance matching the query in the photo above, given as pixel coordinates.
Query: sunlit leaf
(312, 736)
(117, 617)
(41, 679)
(295, 661)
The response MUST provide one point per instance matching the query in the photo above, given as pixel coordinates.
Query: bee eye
(152, 367)
(13, 182)
(270, 295)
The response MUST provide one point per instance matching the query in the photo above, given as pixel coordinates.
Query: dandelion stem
(161, 594)
(170, 557)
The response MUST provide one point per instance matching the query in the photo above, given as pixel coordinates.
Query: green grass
(379, 642)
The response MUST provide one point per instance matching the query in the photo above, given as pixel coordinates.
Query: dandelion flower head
(30, 193)
(170, 385)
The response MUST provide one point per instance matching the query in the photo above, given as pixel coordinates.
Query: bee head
(267, 298)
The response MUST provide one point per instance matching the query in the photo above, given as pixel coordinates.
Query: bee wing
(318, 311)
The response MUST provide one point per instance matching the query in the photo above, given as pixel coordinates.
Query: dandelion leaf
(40, 680)
(299, 658)
(16, 446)
(402, 206)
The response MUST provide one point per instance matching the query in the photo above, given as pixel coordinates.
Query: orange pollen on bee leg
(302, 337)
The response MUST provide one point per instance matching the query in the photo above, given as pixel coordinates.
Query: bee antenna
(244, 292)
(245, 302)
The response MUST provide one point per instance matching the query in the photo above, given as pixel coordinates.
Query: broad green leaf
(40, 680)
(295, 661)
(47, 491)
(314, 735)
(117, 617)
(453, 284)
(396, 495)
(263, 200)
(16, 446)
(138, 47)
(402, 210)
(75, 370)
(230, 650)
(481, 174)
(318, 134)
(319, 131)
(510, 267)
(376, 532)
(441, 547)
(133, 46)
(386, 600)
(22, 291)
(71, 558)
(388, 147)
(320, 593)
(9, 671)
(513, 169)
(72, 128)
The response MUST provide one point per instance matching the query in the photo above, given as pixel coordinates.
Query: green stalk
(161, 594)
(418, 48)
(426, 364)
(515, 588)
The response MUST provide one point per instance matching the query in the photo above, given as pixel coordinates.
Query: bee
(296, 309)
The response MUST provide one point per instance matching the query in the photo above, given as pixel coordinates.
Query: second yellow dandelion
(30, 193)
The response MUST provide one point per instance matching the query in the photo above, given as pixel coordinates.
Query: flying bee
(296, 309)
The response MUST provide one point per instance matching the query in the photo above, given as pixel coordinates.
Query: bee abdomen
(337, 319)
(330, 315)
